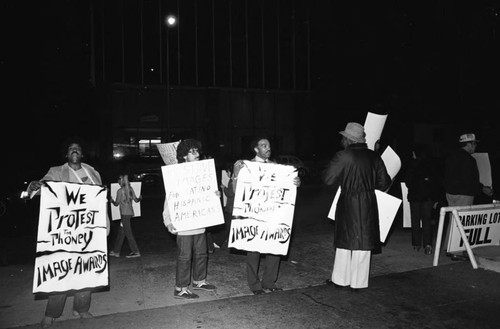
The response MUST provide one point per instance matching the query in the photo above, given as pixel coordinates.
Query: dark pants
(421, 212)
(221, 232)
(55, 304)
(191, 248)
(125, 231)
(270, 275)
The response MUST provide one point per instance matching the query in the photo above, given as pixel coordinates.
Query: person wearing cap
(358, 171)
(461, 179)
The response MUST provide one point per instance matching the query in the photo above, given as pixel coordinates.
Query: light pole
(170, 22)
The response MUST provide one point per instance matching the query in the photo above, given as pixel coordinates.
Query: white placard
(392, 162)
(484, 167)
(387, 208)
(168, 152)
(71, 251)
(264, 204)
(374, 125)
(190, 189)
(136, 206)
(406, 206)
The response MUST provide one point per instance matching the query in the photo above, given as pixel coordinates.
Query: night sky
(419, 61)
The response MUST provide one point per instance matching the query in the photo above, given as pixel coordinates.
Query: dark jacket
(462, 174)
(359, 171)
(423, 182)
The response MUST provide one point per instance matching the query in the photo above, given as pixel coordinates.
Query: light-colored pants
(351, 268)
(455, 200)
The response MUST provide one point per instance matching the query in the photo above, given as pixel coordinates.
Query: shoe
(274, 289)
(204, 286)
(133, 255)
(83, 315)
(331, 283)
(416, 248)
(258, 292)
(46, 322)
(184, 294)
(355, 290)
(428, 250)
(114, 254)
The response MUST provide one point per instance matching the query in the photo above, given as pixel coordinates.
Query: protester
(124, 197)
(262, 149)
(462, 183)
(358, 171)
(191, 244)
(424, 186)
(74, 171)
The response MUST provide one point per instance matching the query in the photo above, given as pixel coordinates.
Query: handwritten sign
(482, 228)
(374, 125)
(263, 208)
(190, 191)
(168, 152)
(72, 238)
(136, 206)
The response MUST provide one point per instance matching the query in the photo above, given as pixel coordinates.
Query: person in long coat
(358, 171)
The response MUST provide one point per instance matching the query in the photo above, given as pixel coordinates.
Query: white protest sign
(392, 162)
(72, 238)
(264, 204)
(190, 189)
(482, 228)
(136, 206)
(484, 167)
(387, 208)
(406, 206)
(374, 125)
(168, 152)
(225, 182)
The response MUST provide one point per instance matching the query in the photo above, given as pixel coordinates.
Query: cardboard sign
(263, 209)
(72, 238)
(190, 189)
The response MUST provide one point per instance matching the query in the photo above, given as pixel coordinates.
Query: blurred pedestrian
(74, 171)
(262, 149)
(358, 171)
(423, 183)
(221, 232)
(124, 197)
(462, 183)
(191, 244)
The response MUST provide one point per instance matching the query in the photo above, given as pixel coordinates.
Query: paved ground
(405, 291)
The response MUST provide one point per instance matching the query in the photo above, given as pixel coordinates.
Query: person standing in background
(124, 197)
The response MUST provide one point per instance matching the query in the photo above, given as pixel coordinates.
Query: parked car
(292, 160)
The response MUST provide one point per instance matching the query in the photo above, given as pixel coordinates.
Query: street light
(170, 22)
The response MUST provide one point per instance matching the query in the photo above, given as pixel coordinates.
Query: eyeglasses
(193, 151)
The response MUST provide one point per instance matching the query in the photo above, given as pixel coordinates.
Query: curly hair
(72, 140)
(184, 147)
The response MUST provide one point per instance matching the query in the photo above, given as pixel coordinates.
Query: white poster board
(168, 152)
(225, 182)
(71, 251)
(374, 125)
(482, 228)
(406, 206)
(387, 209)
(190, 189)
(484, 167)
(264, 204)
(136, 206)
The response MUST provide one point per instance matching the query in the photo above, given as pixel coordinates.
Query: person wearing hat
(358, 171)
(461, 179)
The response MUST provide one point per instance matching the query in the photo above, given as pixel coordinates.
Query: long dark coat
(359, 171)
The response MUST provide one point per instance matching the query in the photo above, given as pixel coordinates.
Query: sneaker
(133, 255)
(114, 254)
(204, 286)
(184, 294)
(46, 322)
